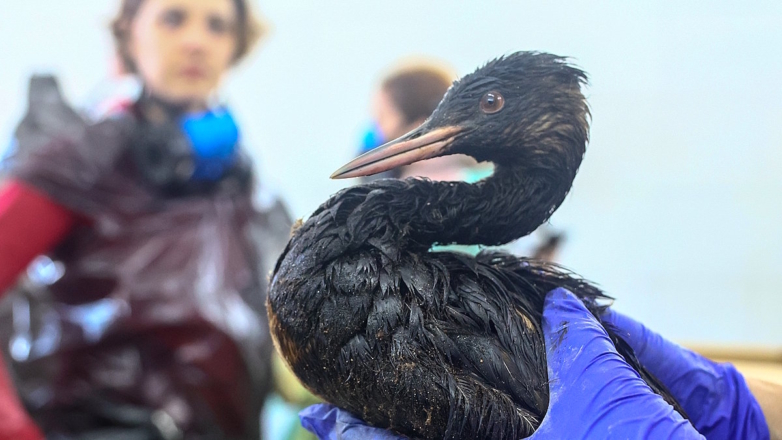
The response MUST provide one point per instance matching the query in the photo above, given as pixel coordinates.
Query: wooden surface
(760, 362)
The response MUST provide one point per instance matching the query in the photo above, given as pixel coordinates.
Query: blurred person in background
(146, 318)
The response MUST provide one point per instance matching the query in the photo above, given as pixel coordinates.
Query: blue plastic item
(373, 137)
(214, 137)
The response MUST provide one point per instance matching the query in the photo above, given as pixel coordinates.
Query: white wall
(676, 211)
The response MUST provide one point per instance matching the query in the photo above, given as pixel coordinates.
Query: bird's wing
(489, 329)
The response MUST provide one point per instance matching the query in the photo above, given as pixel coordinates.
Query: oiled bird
(441, 344)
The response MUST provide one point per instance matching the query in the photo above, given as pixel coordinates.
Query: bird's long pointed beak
(416, 145)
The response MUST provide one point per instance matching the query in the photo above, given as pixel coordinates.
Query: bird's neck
(508, 205)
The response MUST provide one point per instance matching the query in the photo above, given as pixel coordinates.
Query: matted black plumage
(441, 344)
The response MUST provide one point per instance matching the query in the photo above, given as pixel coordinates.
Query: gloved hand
(594, 393)
(715, 396)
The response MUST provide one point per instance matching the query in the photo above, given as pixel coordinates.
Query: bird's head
(524, 109)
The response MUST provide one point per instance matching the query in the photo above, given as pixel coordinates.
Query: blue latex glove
(328, 422)
(594, 393)
(715, 396)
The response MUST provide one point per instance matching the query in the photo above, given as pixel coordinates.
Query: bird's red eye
(492, 102)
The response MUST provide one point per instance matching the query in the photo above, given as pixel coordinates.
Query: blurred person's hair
(249, 30)
(417, 87)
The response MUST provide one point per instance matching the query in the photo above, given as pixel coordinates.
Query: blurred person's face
(389, 119)
(182, 48)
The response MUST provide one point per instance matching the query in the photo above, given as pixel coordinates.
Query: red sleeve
(30, 224)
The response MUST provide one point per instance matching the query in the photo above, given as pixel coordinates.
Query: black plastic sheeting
(149, 320)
